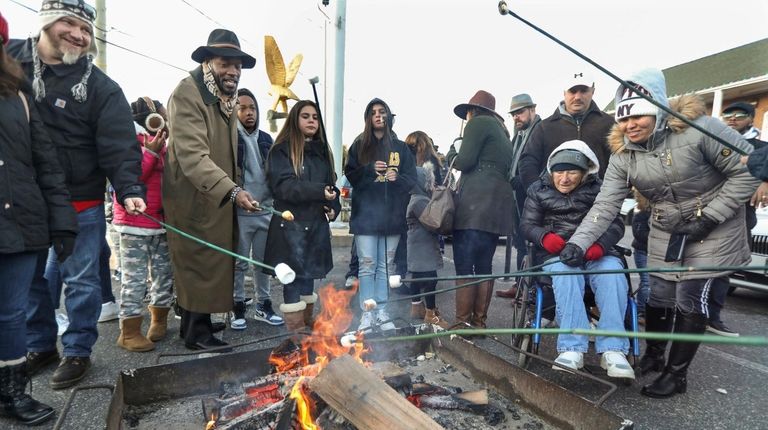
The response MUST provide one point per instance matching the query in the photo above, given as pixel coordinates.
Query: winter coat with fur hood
(683, 173)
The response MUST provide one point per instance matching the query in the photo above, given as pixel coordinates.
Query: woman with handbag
(484, 202)
(382, 171)
(300, 175)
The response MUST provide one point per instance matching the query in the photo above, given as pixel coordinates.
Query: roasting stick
(283, 272)
(286, 215)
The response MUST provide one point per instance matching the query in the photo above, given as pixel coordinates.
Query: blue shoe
(265, 314)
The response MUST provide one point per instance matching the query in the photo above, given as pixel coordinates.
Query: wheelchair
(536, 300)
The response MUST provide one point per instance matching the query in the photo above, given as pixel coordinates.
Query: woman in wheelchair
(554, 208)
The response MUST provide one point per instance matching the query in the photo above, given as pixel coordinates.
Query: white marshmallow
(395, 281)
(370, 304)
(284, 273)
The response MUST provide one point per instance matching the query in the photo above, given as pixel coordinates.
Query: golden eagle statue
(281, 77)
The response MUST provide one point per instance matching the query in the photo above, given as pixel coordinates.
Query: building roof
(734, 65)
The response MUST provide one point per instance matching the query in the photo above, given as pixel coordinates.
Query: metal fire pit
(552, 403)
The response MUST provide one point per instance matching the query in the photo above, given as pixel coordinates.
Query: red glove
(553, 243)
(594, 252)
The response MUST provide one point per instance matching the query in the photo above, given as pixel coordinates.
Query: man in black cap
(89, 119)
(740, 116)
(200, 184)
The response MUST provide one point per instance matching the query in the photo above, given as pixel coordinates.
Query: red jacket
(151, 175)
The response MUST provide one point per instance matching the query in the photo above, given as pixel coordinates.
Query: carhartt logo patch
(60, 103)
(725, 152)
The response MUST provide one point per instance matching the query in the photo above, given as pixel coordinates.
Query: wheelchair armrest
(627, 252)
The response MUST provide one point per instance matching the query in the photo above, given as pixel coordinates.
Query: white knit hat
(632, 104)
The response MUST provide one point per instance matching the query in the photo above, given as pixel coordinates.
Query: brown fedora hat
(223, 43)
(482, 100)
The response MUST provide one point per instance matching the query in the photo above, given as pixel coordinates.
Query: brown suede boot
(418, 310)
(432, 316)
(482, 302)
(130, 336)
(465, 299)
(293, 315)
(158, 324)
(309, 318)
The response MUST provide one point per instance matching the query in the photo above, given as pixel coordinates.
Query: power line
(132, 51)
(198, 10)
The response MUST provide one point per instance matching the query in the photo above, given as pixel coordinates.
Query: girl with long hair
(382, 171)
(423, 149)
(301, 177)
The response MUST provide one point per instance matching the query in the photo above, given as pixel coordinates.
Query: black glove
(572, 255)
(697, 229)
(63, 245)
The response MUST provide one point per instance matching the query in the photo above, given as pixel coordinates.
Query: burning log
(257, 419)
(365, 400)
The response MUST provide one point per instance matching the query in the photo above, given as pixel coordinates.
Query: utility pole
(338, 86)
(101, 34)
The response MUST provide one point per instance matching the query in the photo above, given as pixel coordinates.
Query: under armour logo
(578, 75)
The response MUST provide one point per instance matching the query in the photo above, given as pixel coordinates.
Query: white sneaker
(617, 365)
(366, 320)
(569, 359)
(109, 311)
(382, 318)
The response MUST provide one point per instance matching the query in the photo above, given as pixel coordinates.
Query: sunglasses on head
(735, 115)
(89, 10)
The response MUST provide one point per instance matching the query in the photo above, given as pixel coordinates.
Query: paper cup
(395, 281)
(284, 274)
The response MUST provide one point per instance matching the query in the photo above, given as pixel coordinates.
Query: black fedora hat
(223, 43)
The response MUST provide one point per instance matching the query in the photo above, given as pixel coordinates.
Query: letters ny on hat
(481, 100)
(631, 104)
(223, 43)
(521, 101)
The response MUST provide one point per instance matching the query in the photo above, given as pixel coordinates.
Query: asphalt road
(741, 371)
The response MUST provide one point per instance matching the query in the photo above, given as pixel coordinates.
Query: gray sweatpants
(142, 258)
(251, 242)
(690, 296)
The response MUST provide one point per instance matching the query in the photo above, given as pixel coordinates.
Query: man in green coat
(200, 188)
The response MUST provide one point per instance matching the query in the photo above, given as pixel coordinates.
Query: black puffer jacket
(305, 243)
(548, 210)
(34, 202)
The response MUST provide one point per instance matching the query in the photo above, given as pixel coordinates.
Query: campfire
(325, 383)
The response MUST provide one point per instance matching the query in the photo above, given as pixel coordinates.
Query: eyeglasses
(735, 115)
(517, 112)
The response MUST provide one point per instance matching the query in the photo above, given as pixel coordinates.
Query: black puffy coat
(305, 243)
(548, 210)
(34, 201)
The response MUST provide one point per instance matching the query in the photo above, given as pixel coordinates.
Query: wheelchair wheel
(522, 314)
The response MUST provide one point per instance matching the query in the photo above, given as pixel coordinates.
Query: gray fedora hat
(521, 101)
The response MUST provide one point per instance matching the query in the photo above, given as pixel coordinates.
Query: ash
(178, 414)
(512, 416)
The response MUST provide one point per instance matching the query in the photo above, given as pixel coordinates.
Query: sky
(423, 57)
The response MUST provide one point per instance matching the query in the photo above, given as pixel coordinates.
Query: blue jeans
(644, 291)
(53, 275)
(82, 295)
(611, 298)
(16, 272)
(376, 263)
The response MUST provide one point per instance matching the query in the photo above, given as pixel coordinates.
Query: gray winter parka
(683, 174)
(423, 245)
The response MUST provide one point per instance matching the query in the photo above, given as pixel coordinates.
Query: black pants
(689, 296)
(299, 287)
(195, 327)
(425, 287)
(473, 251)
(354, 263)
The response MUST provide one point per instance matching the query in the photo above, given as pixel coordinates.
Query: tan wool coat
(200, 172)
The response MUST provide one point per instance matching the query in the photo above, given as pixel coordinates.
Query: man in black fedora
(200, 184)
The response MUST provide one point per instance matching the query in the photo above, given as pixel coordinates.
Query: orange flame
(212, 423)
(302, 405)
(333, 320)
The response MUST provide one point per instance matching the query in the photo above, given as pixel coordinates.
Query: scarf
(227, 106)
(79, 90)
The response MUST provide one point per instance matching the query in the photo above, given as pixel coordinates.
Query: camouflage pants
(143, 258)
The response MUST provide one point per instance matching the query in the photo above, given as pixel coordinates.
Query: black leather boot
(673, 379)
(657, 320)
(15, 403)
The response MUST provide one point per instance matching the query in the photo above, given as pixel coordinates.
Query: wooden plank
(365, 400)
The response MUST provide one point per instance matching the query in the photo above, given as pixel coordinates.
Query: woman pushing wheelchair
(556, 204)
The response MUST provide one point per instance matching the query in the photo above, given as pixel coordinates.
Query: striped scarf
(227, 105)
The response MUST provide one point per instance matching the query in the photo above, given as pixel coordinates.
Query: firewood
(478, 397)
(365, 400)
